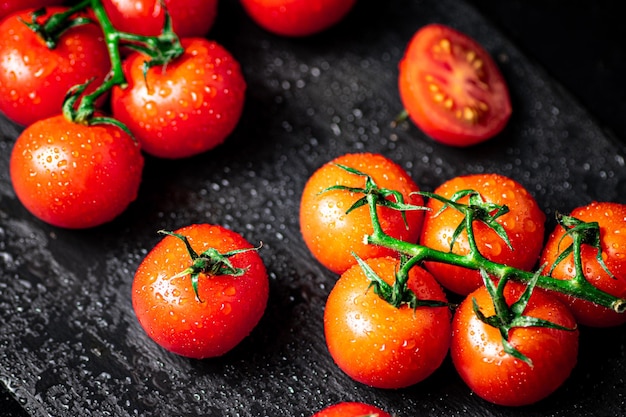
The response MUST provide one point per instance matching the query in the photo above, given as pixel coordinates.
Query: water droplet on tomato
(151, 108)
(226, 308)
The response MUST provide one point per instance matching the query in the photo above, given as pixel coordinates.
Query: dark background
(579, 44)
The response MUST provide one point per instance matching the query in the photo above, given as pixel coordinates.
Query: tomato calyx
(508, 317)
(209, 263)
(51, 30)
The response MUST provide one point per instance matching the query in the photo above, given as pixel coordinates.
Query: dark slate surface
(69, 341)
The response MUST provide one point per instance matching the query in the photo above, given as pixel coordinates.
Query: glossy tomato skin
(189, 107)
(35, 79)
(8, 7)
(451, 87)
(297, 18)
(75, 176)
(333, 236)
(380, 345)
(190, 18)
(611, 218)
(498, 377)
(524, 224)
(230, 307)
(351, 409)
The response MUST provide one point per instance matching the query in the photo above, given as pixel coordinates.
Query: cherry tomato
(190, 18)
(451, 87)
(225, 309)
(378, 344)
(333, 236)
(187, 108)
(351, 409)
(611, 218)
(297, 17)
(73, 175)
(524, 225)
(498, 377)
(8, 7)
(35, 79)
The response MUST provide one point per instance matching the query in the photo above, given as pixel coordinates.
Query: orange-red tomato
(611, 218)
(13, 6)
(333, 236)
(228, 308)
(351, 409)
(451, 87)
(498, 377)
(378, 344)
(524, 224)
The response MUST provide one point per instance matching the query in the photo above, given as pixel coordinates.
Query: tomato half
(378, 344)
(498, 377)
(186, 108)
(34, 79)
(333, 236)
(297, 17)
(351, 409)
(146, 17)
(226, 308)
(451, 87)
(524, 224)
(611, 218)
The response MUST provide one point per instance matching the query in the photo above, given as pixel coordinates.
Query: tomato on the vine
(333, 236)
(611, 219)
(73, 175)
(497, 376)
(381, 345)
(297, 17)
(8, 7)
(451, 88)
(351, 409)
(188, 107)
(34, 79)
(146, 17)
(524, 225)
(232, 291)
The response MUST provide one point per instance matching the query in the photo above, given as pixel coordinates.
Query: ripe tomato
(226, 308)
(611, 218)
(378, 344)
(451, 87)
(188, 107)
(8, 7)
(524, 224)
(190, 18)
(75, 176)
(351, 409)
(332, 235)
(35, 79)
(496, 376)
(297, 17)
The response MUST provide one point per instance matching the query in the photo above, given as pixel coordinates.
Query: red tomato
(524, 224)
(35, 79)
(378, 344)
(332, 235)
(451, 87)
(146, 17)
(8, 7)
(611, 218)
(498, 377)
(188, 107)
(297, 17)
(351, 409)
(227, 307)
(75, 176)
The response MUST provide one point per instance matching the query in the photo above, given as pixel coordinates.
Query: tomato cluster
(513, 344)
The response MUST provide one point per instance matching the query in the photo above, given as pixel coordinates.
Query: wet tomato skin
(351, 409)
(524, 224)
(332, 235)
(380, 345)
(189, 107)
(229, 307)
(451, 88)
(75, 176)
(34, 79)
(611, 218)
(478, 355)
(8, 7)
